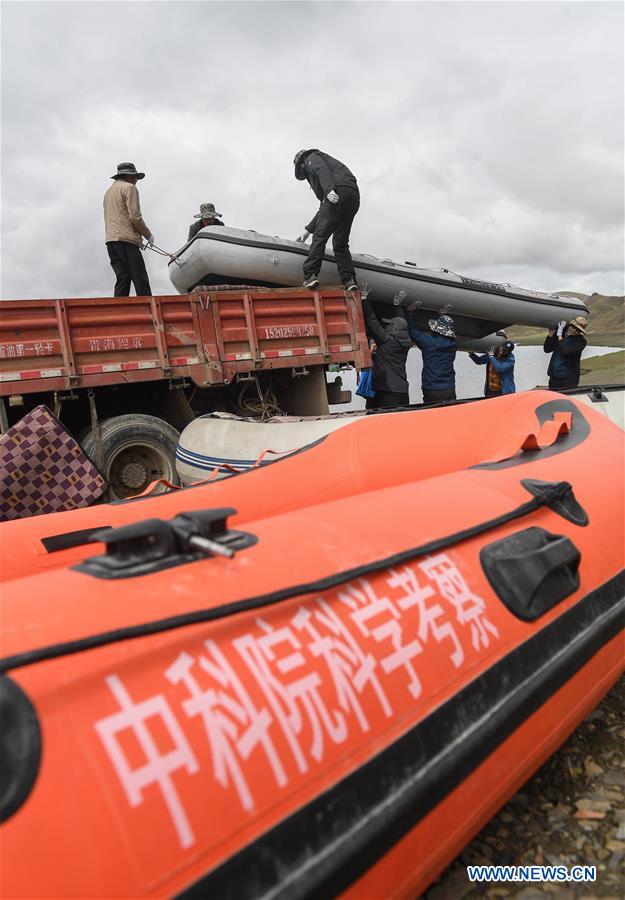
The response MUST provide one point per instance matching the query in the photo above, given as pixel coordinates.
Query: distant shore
(527, 339)
(606, 369)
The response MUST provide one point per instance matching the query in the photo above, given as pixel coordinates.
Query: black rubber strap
(72, 538)
(559, 490)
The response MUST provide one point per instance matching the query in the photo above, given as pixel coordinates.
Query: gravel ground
(572, 812)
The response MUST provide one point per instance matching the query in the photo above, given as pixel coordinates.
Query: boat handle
(155, 544)
(532, 570)
(549, 433)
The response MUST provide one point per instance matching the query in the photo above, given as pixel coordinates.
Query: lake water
(530, 370)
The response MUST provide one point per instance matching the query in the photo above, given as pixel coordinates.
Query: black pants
(128, 265)
(439, 396)
(334, 219)
(556, 383)
(387, 400)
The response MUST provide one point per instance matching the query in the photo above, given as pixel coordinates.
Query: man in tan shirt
(125, 228)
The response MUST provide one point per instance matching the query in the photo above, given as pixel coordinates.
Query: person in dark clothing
(389, 360)
(499, 369)
(206, 216)
(129, 268)
(438, 378)
(337, 190)
(565, 345)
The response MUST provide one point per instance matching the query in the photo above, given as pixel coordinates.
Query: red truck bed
(52, 345)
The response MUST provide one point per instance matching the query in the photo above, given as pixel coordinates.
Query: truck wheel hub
(134, 475)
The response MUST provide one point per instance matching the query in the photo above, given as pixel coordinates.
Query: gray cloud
(486, 137)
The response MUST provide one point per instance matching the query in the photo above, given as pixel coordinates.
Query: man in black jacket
(389, 360)
(566, 346)
(337, 190)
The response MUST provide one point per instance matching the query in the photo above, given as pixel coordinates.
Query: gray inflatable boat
(221, 255)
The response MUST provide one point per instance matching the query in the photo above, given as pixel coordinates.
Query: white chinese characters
(285, 694)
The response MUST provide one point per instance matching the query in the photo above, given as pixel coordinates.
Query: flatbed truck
(125, 375)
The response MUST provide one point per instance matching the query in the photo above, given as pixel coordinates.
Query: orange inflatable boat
(376, 451)
(331, 690)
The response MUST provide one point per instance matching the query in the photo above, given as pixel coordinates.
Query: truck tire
(138, 449)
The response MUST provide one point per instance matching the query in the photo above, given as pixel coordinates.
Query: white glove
(491, 350)
(399, 298)
(303, 237)
(333, 197)
(561, 327)
(150, 240)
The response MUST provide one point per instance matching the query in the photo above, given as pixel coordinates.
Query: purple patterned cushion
(42, 469)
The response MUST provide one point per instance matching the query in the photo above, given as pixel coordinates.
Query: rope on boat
(172, 256)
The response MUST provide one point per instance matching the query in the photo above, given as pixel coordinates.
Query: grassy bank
(608, 369)
(535, 337)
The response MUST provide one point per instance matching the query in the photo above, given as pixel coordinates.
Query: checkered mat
(42, 469)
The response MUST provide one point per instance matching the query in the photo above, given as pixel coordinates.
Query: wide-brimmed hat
(443, 325)
(127, 169)
(580, 323)
(397, 323)
(207, 211)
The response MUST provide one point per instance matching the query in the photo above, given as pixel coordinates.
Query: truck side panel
(58, 344)
(275, 329)
(49, 345)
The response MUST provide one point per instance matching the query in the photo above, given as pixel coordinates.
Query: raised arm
(371, 321)
(417, 337)
(551, 342)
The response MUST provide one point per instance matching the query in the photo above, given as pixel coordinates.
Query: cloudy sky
(486, 136)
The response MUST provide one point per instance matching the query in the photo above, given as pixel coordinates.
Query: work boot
(311, 281)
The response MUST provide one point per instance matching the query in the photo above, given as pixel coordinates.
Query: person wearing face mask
(565, 344)
(337, 190)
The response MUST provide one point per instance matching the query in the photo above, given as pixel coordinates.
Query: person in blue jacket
(499, 369)
(438, 349)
